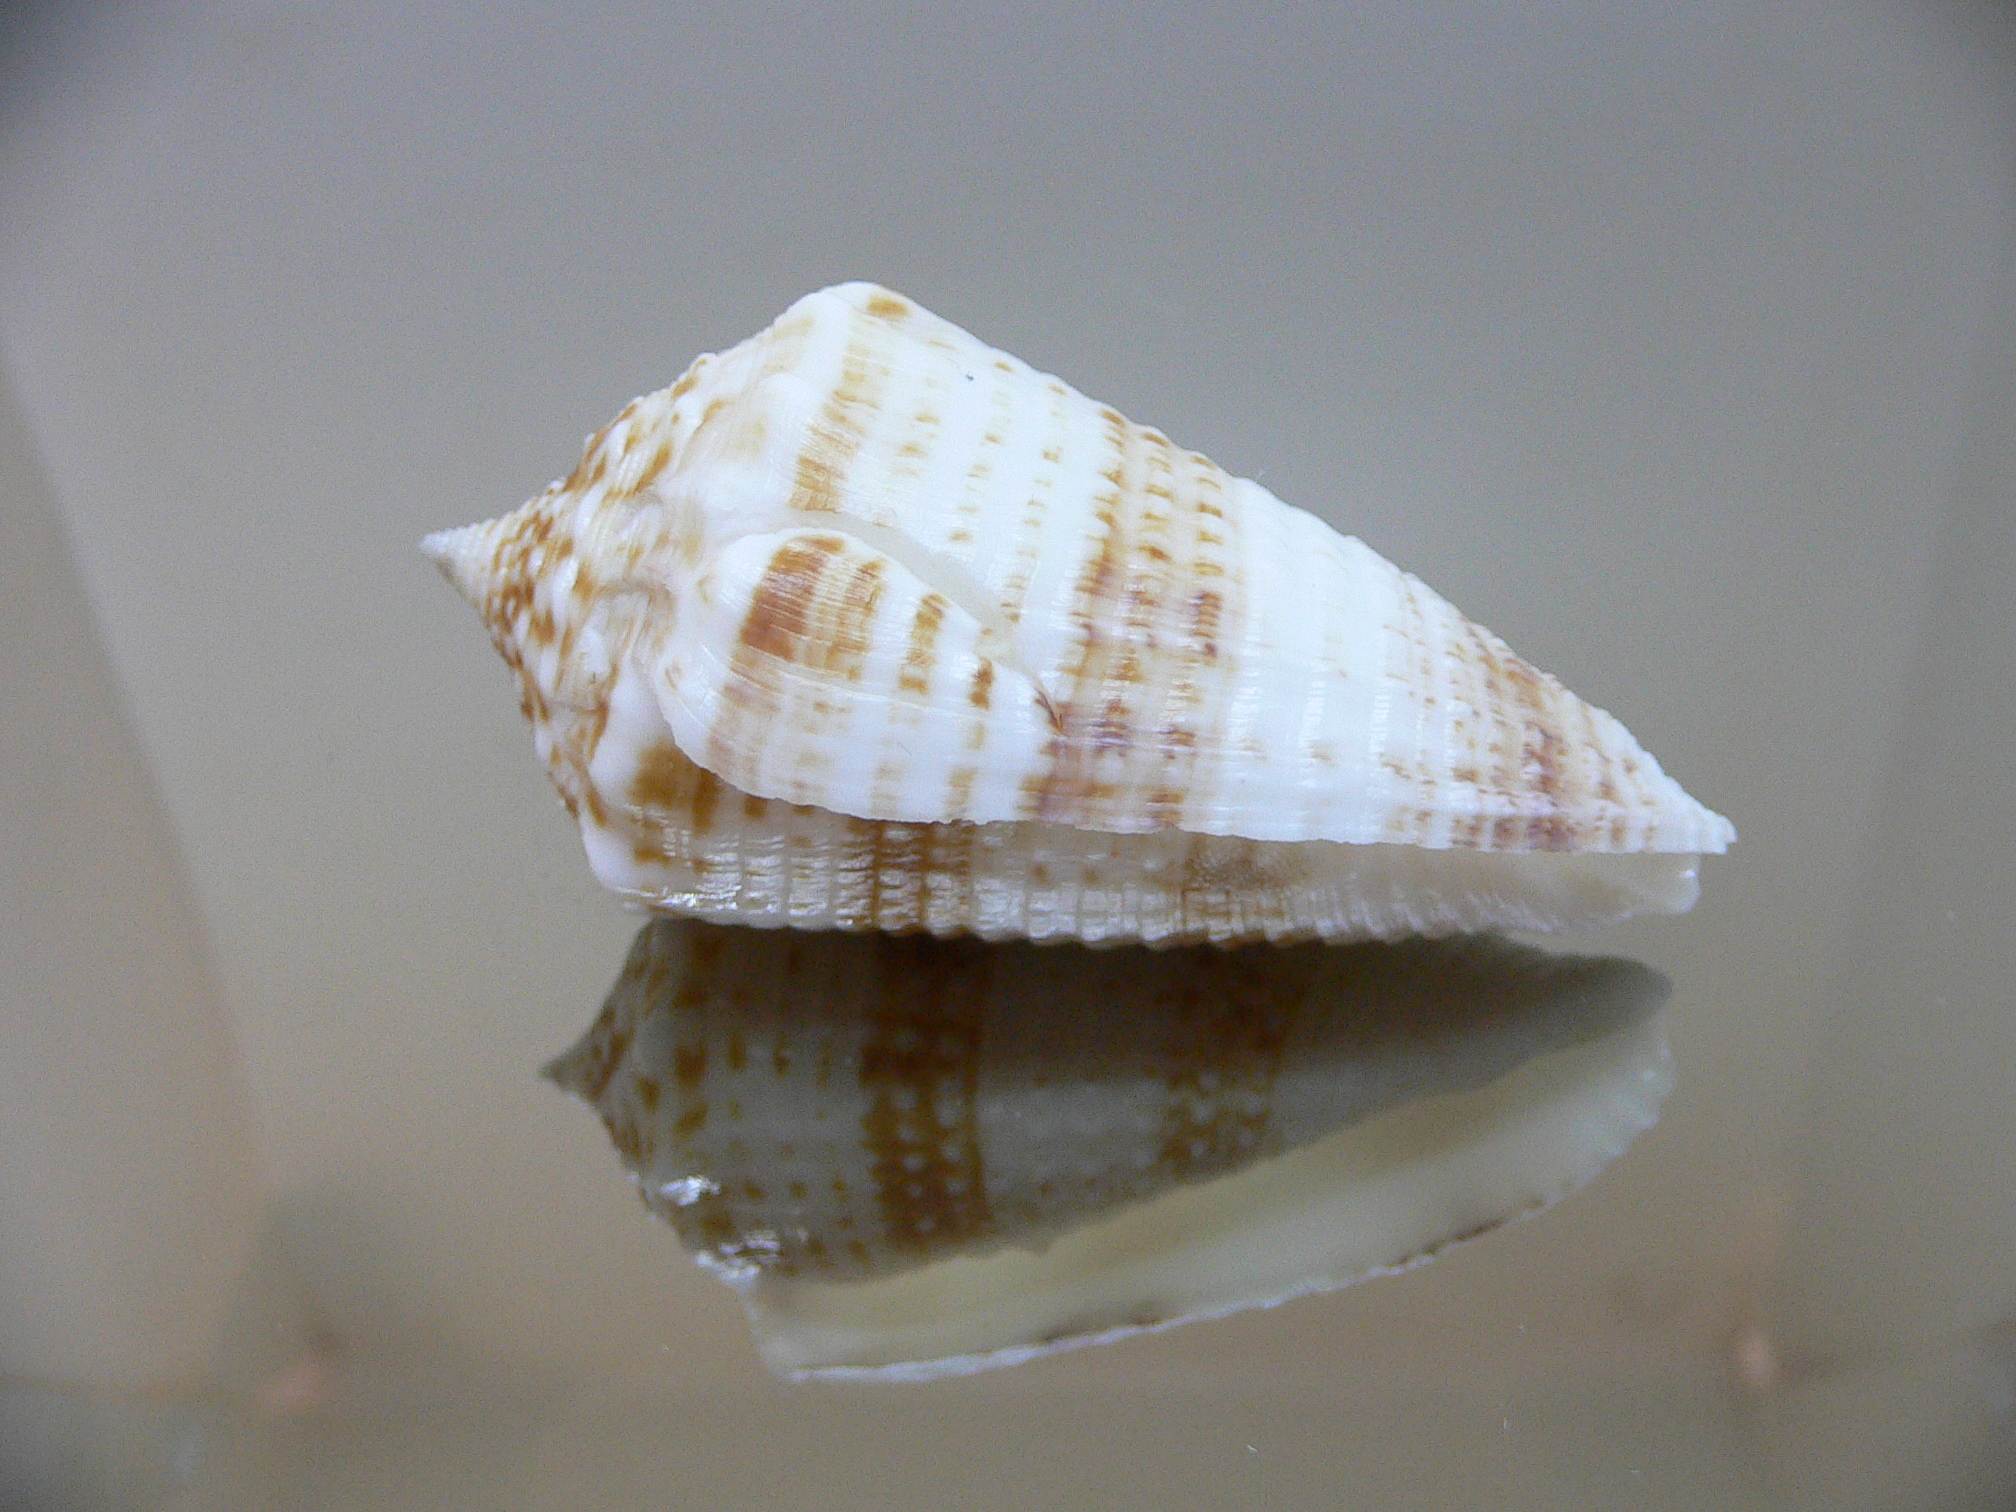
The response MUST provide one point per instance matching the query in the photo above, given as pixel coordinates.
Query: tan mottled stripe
(1159, 607)
(920, 1071)
(1229, 1032)
(1210, 614)
(803, 612)
(1155, 766)
(834, 438)
(1095, 718)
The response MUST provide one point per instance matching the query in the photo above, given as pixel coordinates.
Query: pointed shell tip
(453, 551)
(568, 1071)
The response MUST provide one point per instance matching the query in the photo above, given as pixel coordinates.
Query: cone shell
(952, 1151)
(866, 624)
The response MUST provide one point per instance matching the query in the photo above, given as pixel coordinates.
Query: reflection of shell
(815, 1110)
(867, 624)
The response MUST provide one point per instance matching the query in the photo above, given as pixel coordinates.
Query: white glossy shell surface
(864, 565)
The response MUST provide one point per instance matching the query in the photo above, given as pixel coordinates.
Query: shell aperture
(914, 1156)
(865, 624)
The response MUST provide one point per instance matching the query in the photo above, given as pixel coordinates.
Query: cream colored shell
(866, 624)
(1059, 1144)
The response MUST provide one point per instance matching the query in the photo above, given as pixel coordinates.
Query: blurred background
(1676, 344)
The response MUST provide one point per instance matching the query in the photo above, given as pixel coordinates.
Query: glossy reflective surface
(917, 1157)
(1678, 350)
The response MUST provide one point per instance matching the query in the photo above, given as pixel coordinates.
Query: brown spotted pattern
(1154, 603)
(919, 1073)
(697, 847)
(1107, 576)
(1153, 609)
(837, 1107)
(1500, 756)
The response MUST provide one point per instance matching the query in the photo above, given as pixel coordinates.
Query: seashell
(864, 624)
(913, 1156)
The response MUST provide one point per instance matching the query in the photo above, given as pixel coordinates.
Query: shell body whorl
(866, 598)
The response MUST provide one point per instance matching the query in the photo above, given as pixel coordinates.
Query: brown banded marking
(1466, 654)
(1207, 611)
(913, 678)
(1060, 789)
(669, 787)
(1205, 625)
(660, 459)
(1092, 718)
(920, 1071)
(903, 878)
(1132, 706)
(1230, 1023)
(594, 464)
(689, 380)
(834, 438)
(785, 612)
(1412, 643)
(857, 888)
(896, 859)
(810, 608)
(1537, 791)
(922, 655)
(945, 897)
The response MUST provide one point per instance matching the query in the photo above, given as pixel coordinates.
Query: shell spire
(936, 620)
(465, 554)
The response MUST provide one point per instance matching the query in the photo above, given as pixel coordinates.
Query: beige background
(1675, 345)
